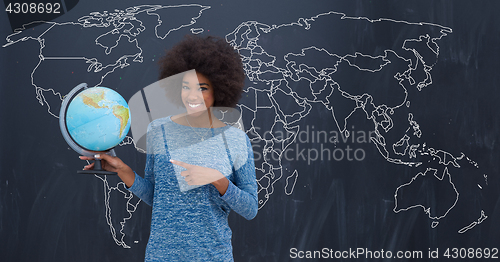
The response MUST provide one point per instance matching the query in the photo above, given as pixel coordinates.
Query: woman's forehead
(195, 77)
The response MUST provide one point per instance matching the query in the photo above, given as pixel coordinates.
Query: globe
(94, 120)
(98, 118)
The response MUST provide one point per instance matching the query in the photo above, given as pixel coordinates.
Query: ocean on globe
(98, 118)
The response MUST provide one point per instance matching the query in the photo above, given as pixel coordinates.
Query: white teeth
(193, 105)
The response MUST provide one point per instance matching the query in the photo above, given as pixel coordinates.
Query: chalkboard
(374, 126)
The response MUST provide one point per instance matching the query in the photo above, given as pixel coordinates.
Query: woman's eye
(185, 87)
(203, 88)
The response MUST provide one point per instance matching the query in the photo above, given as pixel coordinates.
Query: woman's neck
(202, 119)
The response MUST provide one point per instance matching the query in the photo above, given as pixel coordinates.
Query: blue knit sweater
(189, 223)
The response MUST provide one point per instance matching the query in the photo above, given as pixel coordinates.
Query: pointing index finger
(179, 163)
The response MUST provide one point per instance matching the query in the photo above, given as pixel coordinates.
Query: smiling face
(197, 92)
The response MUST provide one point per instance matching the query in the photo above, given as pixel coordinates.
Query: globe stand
(97, 169)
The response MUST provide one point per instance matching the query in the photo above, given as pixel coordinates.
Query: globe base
(96, 172)
(97, 169)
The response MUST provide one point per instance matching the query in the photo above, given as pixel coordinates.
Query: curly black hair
(214, 58)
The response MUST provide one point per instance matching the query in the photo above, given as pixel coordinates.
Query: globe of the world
(98, 118)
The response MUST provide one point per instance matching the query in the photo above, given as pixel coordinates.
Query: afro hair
(212, 57)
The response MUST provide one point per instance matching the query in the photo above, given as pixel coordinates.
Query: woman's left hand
(198, 175)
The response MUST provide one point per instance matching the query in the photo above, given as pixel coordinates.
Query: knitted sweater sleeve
(241, 195)
(144, 187)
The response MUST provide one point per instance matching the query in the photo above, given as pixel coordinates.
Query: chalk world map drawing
(290, 68)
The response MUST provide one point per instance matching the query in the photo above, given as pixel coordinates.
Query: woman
(197, 168)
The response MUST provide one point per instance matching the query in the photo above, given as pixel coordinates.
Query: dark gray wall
(49, 213)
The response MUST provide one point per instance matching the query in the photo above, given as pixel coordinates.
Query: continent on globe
(98, 119)
(123, 114)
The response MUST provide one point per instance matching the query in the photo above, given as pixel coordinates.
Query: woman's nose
(194, 95)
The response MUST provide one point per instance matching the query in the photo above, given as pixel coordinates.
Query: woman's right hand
(113, 164)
